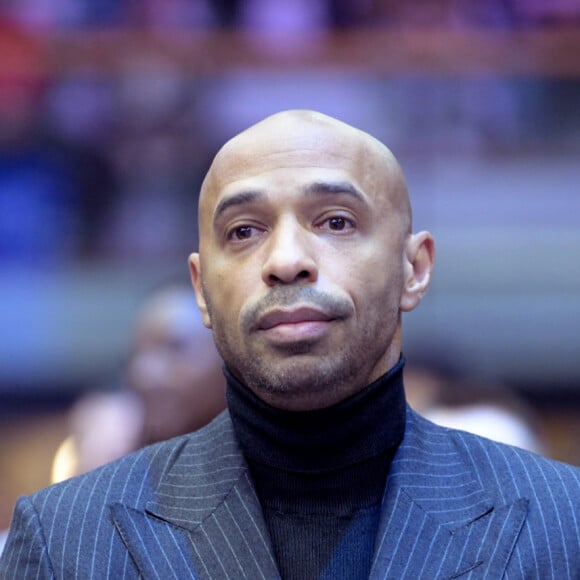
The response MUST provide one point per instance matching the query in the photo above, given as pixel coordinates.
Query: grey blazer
(455, 506)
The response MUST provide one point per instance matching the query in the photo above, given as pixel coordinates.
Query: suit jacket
(455, 506)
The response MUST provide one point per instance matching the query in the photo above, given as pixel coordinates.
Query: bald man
(318, 469)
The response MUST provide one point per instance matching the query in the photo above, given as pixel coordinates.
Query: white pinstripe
(427, 557)
(210, 544)
(148, 556)
(258, 528)
(239, 530)
(483, 541)
(446, 479)
(201, 559)
(100, 520)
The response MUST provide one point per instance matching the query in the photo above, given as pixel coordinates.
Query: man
(174, 385)
(174, 367)
(317, 470)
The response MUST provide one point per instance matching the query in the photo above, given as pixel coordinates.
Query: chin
(299, 382)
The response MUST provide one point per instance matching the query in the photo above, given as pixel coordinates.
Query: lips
(296, 316)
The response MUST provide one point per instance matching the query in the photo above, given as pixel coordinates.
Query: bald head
(306, 258)
(288, 135)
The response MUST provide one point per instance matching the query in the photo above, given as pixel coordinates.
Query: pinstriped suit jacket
(455, 506)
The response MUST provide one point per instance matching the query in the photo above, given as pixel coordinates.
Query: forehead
(297, 151)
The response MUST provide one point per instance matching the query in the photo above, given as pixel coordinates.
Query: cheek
(377, 259)
(376, 281)
(226, 296)
(216, 287)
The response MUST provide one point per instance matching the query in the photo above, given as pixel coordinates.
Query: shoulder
(510, 471)
(456, 476)
(65, 528)
(517, 468)
(130, 480)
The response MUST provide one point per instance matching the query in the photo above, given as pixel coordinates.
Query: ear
(195, 272)
(419, 258)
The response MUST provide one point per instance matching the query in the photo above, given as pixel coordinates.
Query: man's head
(307, 259)
(174, 367)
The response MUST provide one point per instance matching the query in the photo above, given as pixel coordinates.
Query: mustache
(284, 297)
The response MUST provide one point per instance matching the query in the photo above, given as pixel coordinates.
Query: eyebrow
(335, 188)
(314, 189)
(240, 198)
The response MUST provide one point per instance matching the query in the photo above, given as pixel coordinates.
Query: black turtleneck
(320, 475)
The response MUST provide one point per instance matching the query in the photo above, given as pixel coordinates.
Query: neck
(326, 439)
(320, 475)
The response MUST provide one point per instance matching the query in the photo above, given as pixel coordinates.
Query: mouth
(296, 316)
(300, 325)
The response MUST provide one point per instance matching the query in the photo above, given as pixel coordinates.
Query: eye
(338, 223)
(242, 233)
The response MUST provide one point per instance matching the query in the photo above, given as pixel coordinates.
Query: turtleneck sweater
(320, 475)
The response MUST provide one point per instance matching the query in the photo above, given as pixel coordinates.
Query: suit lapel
(204, 520)
(437, 521)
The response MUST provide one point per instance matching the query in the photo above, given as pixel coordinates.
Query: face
(304, 263)
(174, 367)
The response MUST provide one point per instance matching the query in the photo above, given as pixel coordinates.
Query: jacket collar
(204, 519)
(437, 520)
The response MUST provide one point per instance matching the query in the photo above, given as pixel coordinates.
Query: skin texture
(307, 259)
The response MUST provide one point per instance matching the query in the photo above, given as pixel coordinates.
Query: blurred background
(110, 111)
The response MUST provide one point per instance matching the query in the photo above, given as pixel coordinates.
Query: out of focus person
(103, 426)
(490, 420)
(174, 367)
(486, 409)
(174, 385)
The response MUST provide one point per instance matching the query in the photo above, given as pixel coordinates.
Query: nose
(290, 257)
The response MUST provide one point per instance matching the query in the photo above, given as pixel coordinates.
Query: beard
(330, 369)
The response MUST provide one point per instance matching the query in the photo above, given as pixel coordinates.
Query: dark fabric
(320, 475)
(325, 439)
(455, 506)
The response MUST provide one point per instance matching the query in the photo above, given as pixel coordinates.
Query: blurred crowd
(97, 166)
(90, 167)
(165, 14)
